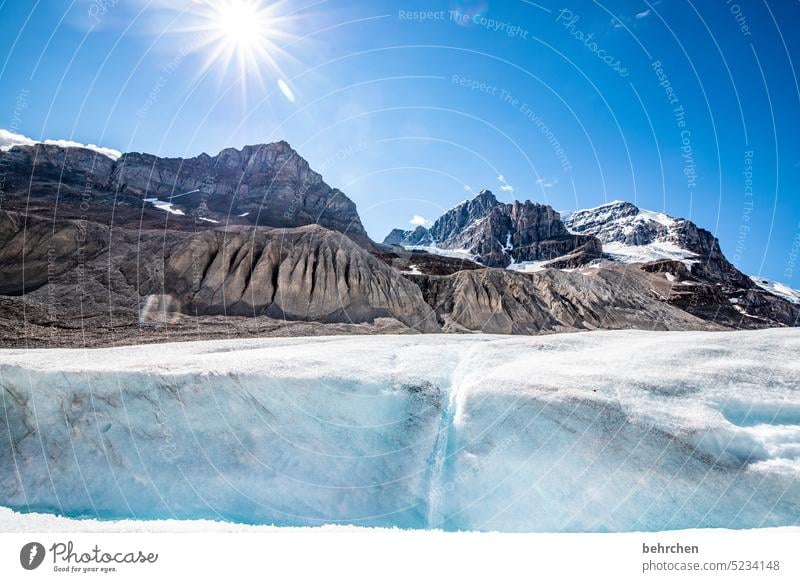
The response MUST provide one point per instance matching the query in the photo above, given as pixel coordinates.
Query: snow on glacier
(602, 431)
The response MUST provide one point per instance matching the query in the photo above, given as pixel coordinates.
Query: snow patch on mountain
(778, 289)
(162, 205)
(654, 251)
(452, 253)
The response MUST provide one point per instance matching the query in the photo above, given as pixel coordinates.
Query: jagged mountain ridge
(266, 184)
(498, 234)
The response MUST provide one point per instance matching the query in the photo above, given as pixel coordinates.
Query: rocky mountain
(702, 280)
(306, 274)
(96, 250)
(509, 302)
(420, 236)
(267, 184)
(630, 234)
(497, 234)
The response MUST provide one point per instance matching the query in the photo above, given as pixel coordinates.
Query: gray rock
(502, 301)
(269, 184)
(498, 234)
(420, 236)
(306, 274)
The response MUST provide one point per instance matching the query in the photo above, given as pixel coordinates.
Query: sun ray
(240, 35)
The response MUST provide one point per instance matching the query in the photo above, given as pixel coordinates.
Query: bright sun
(242, 34)
(240, 22)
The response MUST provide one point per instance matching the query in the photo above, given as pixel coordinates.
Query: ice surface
(603, 431)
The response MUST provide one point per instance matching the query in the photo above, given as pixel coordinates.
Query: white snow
(612, 203)
(412, 270)
(658, 217)
(434, 250)
(527, 266)
(161, 205)
(778, 289)
(603, 431)
(243, 214)
(208, 219)
(645, 253)
(10, 139)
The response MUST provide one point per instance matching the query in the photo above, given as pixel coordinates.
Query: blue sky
(411, 107)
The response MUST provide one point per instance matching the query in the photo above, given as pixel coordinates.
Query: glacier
(584, 432)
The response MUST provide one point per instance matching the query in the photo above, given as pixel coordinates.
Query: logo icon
(31, 555)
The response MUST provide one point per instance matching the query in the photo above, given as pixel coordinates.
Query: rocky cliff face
(268, 184)
(498, 234)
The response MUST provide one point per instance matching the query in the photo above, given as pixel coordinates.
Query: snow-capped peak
(623, 223)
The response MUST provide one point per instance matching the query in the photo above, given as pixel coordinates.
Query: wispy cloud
(626, 21)
(547, 182)
(504, 186)
(10, 139)
(418, 220)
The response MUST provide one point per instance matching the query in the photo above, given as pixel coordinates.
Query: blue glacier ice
(601, 431)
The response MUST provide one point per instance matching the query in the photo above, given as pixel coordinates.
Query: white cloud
(547, 182)
(467, 188)
(504, 186)
(643, 14)
(418, 220)
(10, 139)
